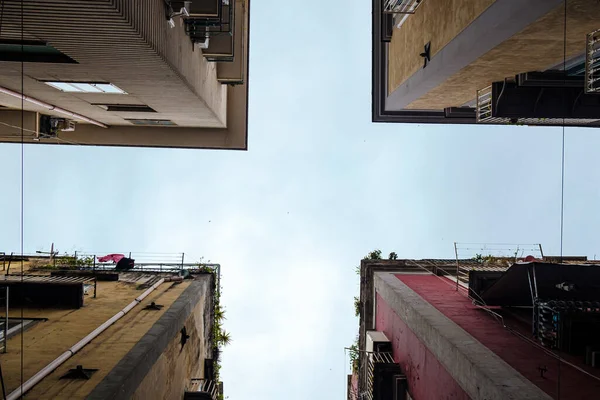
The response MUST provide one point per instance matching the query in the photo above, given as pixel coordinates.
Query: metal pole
(457, 266)
(95, 278)
(182, 257)
(2, 383)
(6, 321)
(541, 251)
(9, 261)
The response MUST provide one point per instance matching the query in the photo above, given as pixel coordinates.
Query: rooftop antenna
(51, 253)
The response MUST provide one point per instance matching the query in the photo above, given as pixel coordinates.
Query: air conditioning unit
(66, 125)
(50, 126)
(377, 342)
(204, 45)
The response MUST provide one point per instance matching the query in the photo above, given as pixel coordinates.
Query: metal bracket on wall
(426, 54)
(153, 306)
(184, 337)
(79, 373)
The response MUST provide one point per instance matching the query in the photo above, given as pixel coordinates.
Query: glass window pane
(109, 88)
(86, 87)
(65, 87)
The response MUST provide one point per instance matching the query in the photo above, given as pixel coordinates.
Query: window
(126, 107)
(31, 51)
(86, 87)
(153, 122)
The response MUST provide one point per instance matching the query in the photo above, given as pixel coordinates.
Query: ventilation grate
(151, 122)
(126, 107)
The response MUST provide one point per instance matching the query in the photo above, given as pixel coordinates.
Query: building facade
(120, 73)
(524, 329)
(524, 62)
(102, 332)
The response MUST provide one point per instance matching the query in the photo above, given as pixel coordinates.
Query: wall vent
(151, 122)
(126, 107)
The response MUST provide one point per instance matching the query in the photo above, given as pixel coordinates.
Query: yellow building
(486, 61)
(100, 333)
(151, 73)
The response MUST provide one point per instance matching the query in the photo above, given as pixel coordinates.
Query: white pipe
(48, 369)
(51, 107)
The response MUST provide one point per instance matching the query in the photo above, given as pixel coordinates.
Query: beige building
(119, 73)
(96, 332)
(486, 61)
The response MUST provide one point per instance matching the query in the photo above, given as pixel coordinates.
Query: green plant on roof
(354, 354)
(354, 350)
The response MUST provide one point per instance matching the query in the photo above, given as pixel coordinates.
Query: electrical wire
(562, 164)
(22, 186)
(17, 127)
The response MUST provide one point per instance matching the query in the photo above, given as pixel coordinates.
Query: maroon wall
(521, 354)
(427, 377)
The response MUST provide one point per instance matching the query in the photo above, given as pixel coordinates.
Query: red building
(502, 330)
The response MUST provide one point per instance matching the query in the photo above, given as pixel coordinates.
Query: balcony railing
(592, 62)
(373, 359)
(202, 389)
(401, 6)
(485, 115)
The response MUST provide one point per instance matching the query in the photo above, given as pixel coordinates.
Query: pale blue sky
(319, 187)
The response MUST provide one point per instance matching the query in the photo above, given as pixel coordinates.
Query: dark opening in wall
(31, 51)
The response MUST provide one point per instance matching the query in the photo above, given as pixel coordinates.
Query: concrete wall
(169, 376)
(158, 366)
(157, 67)
(418, 363)
(438, 21)
(506, 37)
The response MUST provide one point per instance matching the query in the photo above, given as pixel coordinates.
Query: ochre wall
(170, 374)
(438, 21)
(537, 47)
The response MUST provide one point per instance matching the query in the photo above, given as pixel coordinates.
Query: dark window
(31, 51)
(126, 107)
(153, 122)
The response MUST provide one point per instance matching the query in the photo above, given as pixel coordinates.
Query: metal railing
(484, 112)
(4, 296)
(204, 386)
(592, 62)
(401, 6)
(139, 257)
(372, 360)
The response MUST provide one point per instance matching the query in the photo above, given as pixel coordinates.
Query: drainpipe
(48, 369)
(51, 107)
